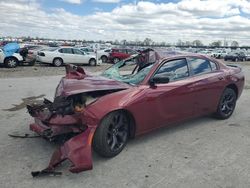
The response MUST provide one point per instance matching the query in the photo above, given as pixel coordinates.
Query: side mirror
(158, 80)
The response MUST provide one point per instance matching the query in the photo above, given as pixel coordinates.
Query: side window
(174, 70)
(213, 66)
(66, 50)
(199, 66)
(79, 52)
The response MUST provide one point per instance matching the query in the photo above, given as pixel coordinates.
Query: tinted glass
(174, 70)
(76, 51)
(66, 50)
(199, 66)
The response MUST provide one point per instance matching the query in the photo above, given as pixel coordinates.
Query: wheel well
(57, 58)
(92, 59)
(233, 87)
(11, 57)
(104, 56)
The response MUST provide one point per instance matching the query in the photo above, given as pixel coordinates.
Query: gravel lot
(203, 152)
(43, 70)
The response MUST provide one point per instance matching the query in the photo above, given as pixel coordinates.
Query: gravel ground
(43, 70)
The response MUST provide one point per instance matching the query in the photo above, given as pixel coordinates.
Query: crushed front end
(68, 119)
(64, 120)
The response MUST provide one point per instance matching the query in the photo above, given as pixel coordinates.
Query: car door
(66, 54)
(123, 54)
(80, 57)
(207, 84)
(169, 102)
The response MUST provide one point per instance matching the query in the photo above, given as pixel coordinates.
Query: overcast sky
(160, 20)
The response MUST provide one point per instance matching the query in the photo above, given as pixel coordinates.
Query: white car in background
(101, 54)
(66, 55)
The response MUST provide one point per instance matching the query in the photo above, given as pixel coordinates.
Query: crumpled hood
(89, 83)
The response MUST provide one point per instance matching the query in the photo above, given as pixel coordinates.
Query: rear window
(201, 66)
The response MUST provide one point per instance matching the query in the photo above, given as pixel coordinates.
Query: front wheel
(92, 62)
(112, 134)
(11, 62)
(227, 104)
(104, 59)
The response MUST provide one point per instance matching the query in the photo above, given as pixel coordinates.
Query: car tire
(236, 59)
(11, 62)
(92, 62)
(57, 62)
(243, 59)
(116, 59)
(226, 104)
(104, 59)
(111, 135)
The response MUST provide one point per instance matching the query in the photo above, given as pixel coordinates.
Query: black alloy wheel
(112, 135)
(227, 104)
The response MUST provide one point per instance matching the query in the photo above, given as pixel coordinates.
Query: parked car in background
(219, 54)
(12, 55)
(248, 56)
(208, 52)
(104, 111)
(88, 50)
(235, 56)
(103, 55)
(117, 54)
(66, 55)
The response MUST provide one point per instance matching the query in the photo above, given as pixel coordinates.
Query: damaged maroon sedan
(135, 96)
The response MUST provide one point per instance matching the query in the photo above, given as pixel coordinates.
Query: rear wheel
(104, 59)
(57, 62)
(227, 104)
(236, 59)
(111, 136)
(92, 62)
(11, 62)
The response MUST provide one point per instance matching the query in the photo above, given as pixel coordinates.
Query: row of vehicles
(12, 55)
(227, 56)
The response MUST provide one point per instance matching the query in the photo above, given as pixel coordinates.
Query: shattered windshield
(132, 70)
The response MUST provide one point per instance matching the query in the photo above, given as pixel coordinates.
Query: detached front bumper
(50, 126)
(77, 150)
